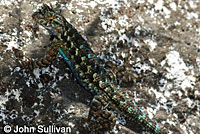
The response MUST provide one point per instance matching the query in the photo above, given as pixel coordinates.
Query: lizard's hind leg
(101, 119)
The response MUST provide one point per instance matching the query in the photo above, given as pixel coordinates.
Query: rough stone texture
(163, 37)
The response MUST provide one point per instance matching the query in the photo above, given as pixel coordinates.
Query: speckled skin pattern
(89, 71)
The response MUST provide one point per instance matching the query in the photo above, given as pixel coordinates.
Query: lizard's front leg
(30, 64)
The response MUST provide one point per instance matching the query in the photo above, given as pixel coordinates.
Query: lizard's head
(50, 20)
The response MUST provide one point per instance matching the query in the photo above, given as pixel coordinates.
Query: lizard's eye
(50, 19)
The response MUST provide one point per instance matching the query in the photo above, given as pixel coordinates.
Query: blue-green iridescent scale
(88, 69)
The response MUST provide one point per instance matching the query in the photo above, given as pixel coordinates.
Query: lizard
(89, 72)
